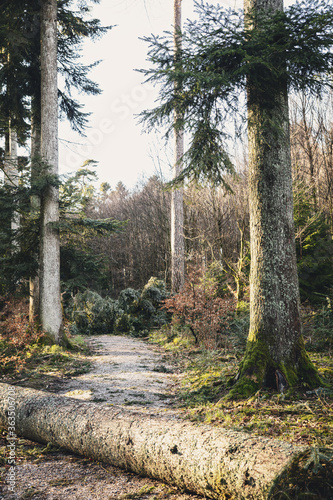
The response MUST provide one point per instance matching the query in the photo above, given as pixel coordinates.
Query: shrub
(142, 310)
(314, 247)
(16, 334)
(134, 313)
(239, 326)
(198, 307)
(93, 315)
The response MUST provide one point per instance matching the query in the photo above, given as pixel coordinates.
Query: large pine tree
(261, 54)
(275, 348)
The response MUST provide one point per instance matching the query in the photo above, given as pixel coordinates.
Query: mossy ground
(299, 415)
(27, 355)
(42, 366)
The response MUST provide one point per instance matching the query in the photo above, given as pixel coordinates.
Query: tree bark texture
(34, 309)
(10, 160)
(275, 338)
(209, 461)
(11, 173)
(50, 299)
(177, 209)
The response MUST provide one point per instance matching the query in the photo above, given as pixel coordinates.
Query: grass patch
(40, 364)
(136, 403)
(26, 356)
(298, 416)
(61, 482)
(27, 450)
(30, 493)
(145, 490)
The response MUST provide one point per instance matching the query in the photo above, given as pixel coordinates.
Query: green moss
(290, 373)
(307, 371)
(258, 369)
(252, 371)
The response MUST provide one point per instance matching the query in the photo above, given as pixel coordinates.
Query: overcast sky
(115, 139)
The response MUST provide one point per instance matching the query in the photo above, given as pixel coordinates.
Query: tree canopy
(222, 51)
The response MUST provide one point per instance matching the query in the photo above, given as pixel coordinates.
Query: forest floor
(168, 375)
(119, 371)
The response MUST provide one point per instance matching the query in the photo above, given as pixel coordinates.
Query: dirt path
(125, 372)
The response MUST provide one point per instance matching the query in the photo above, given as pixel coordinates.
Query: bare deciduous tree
(177, 217)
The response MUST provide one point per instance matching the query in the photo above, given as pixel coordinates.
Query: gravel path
(125, 372)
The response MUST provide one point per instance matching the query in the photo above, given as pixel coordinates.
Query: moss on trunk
(258, 369)
(275, 354)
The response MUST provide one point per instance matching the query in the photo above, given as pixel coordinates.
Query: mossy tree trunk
(275, 345)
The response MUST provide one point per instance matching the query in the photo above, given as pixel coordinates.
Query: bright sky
(115, 138)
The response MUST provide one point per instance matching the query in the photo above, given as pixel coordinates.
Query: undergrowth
(299, 416)
(25, 351)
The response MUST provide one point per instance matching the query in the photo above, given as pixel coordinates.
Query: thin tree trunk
(177, 210)
(10, 160)
(11, 174)
(50, 300)
(239, 275)
(34, 303)
(275, 343)
(310, 150)
(212, 462)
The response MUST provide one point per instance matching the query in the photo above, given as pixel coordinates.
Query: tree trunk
(10, 160)
(34, 310)
(213, 462)
(50, 300)
(177, 211)
(11, 174)
(275, 343)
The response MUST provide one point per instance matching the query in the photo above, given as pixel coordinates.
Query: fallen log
(216, 463)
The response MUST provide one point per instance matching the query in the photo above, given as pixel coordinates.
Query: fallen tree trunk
(212, 462)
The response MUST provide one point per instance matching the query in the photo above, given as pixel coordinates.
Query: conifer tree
(261, 54)
(20, 81)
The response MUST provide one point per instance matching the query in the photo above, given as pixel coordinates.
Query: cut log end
(308, 475)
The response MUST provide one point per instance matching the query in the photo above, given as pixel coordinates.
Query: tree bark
(275, 339)
(177, 209)
(10, 160)
(11, 173)
(34, 309)
(50, 299)
(209, 461)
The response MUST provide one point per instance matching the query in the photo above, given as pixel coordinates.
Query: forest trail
(125, 371)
